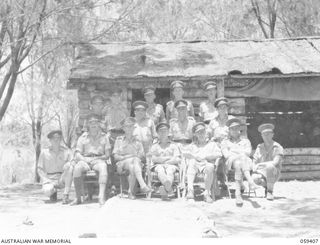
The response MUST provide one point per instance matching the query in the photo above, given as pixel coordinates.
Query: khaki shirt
(207, 111)
(171, 111)
(51, 162)
(123, 146)
(263, 155)
(217, 128)
(181, 130)
(145, 132)
(115, 114)
(231, 148)
(204, 151)
(156, 113)
(98, 146)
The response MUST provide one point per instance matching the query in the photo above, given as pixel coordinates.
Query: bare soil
(295, 212)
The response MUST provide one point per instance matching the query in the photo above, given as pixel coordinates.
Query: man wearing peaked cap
(154, 111)
(201, 157)
(55, 168)
(92, 153)
(145, 130)
(267, 160)
(217, 128)
(165, 156)
(181, 128)
(237, 151)
(115, 112)
(128, 152)
(177, 93)
(207, 108)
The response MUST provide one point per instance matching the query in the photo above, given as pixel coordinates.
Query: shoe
(207, 198)
(65, 199)
(131, 196)
(171, 193)
(75, 202)
(53, 197)
(270, 196)
(239, 201)
(146, 189)
(102, 201)
(163, 193)
(190, 194)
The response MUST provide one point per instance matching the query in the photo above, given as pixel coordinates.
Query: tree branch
(257, 13)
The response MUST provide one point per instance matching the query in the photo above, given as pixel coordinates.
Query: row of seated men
(183, 138)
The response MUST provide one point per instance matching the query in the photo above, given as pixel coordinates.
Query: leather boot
(53, 197)
(77, 186)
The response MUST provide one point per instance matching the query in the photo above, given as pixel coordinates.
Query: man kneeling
(201, 157)
(92, 152)
(267, 160)
(236, 151)
(55, 168)
(128, 151)
(166, 157)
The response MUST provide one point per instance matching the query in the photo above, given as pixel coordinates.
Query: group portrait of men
(171, 139)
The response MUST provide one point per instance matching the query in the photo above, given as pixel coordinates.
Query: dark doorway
(296, 122)
(162, 96)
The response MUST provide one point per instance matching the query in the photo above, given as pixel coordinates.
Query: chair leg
(121, 187)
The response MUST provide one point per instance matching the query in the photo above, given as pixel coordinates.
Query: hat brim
(266, 131)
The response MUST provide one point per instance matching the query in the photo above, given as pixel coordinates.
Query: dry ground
(294, 213)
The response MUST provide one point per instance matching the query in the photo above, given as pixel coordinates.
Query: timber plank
(301, 167)
(301, 159)
(302, 151)
(306, 175)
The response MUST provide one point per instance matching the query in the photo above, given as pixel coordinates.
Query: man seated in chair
(128, 152)
(55, 168)
(201, 157)
(165, 157)
(236, 150)
(267, 160)
(92, 152)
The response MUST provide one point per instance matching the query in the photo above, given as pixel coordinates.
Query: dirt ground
(294, 213)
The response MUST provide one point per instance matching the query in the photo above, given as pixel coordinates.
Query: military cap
(129, 121)
(177, 84)
(54, 133)
(148, 90)
(140, 105)
(233, 122)
(221, 101)
(266, 127)
(97, 98)
(180, 103)
(161, 126)
(209, 85)
(198, 126)
(93, 118)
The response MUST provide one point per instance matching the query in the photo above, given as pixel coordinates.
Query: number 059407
(306, 241)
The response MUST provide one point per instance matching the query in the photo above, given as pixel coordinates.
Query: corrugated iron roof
(196, 59)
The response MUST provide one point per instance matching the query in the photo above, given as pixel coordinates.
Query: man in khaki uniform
(128, 152)
(145, 130)
(236, 151)
(154, 111)
(165, 159)
(201, 157)
(181, 127)
(208, 111)
(55, 168)
(217, 127)
(97, 103)
(92, 153)
(177, 92)
(267, 160)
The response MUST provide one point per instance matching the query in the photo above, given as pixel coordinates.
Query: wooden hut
(267, 80)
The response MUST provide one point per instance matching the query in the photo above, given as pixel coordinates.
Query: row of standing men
(218, 136)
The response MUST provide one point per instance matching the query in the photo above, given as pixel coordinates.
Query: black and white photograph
(159, 119)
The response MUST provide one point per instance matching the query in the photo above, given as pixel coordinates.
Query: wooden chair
(154, 182)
